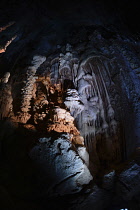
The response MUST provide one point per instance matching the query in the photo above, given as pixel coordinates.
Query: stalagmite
(27, 90)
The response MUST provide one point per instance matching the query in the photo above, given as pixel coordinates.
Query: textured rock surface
(60, 164)
(69, 106)
(116, 192)
(98, 198)
(129, 182)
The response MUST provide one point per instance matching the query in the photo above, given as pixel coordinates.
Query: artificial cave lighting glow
(123, 209)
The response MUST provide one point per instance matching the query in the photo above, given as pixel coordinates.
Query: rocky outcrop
(128, 183)
(65, 171)
(116, 192)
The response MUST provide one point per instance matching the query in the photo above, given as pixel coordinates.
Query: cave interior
(69, 105)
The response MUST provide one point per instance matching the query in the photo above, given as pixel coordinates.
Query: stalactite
(68, 65)
(82, 86)
(110, 111)
(105, 64)
(72, 101)
(107, 96)
(3, 49)
(74, 73)
(98, 114)
(6, 26)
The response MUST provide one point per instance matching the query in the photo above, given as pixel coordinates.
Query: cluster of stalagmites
(40, 90)
(87, 110)
(87, 102)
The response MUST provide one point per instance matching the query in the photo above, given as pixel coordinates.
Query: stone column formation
(66, 94)
(79, 109)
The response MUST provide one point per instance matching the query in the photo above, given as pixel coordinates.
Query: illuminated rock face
(70, 97)
(81, 95)
(60, 164)
(98, 117)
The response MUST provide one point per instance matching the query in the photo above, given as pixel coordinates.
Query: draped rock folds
(70, 93)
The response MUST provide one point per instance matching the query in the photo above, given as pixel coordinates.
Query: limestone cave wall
(69, 111)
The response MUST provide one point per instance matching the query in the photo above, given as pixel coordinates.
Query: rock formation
(61, 165)
(69, 113)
